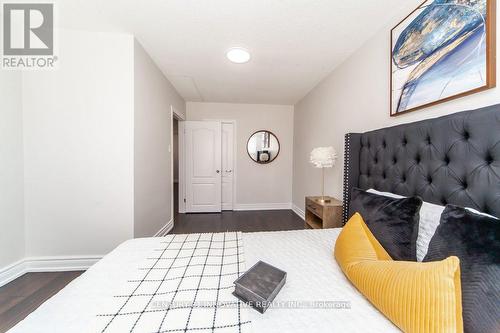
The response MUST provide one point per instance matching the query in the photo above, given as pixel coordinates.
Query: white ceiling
(294, 43)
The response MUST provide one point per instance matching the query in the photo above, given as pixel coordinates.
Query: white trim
(171, 148)
(227, 207)
(165, 229)
(58, 263)
(12, 272)
(46, 264)
(182, 177)
(178, 115)
(174, 113)
(297, 210)
(61, 264)
(263, 206)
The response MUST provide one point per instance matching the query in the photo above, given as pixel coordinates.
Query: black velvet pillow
(393, 222)
(475, 240)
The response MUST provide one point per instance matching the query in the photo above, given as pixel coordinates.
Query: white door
(227, 165)
(203, 166)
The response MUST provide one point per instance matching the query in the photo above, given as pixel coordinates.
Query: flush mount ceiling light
(238, 55)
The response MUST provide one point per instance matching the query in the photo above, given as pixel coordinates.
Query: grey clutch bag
(259, 285)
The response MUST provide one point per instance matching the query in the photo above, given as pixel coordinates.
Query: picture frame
(434, 61)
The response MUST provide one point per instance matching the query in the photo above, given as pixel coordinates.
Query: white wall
(258, 185)
(78, 140)
(11, 169)
(152, 160)
(355, 98)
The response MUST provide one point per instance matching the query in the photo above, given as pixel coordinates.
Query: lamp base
(324, 200)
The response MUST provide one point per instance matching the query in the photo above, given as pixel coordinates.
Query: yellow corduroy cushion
(415, 296)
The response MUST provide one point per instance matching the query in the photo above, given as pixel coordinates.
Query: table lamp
(323, 157)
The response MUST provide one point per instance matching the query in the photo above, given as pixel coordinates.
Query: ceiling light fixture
(238, 55)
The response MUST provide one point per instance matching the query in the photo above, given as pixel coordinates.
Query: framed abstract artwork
(445, 49)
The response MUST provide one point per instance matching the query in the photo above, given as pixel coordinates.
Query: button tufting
(407, 158)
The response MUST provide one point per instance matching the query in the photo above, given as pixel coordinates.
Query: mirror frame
(277, 154)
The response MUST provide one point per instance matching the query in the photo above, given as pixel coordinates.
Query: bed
(183, 283)
(80, 306)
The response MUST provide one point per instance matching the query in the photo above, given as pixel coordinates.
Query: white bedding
(312, 275)
(306, 255)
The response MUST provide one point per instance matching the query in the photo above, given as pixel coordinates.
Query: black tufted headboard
(453, 159)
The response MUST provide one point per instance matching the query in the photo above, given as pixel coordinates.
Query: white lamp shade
(323, 157)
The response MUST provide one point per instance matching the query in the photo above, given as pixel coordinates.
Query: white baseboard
(11, 272)
(46, 264)
(165, 229)
(57, 264)
(263, 206)
(298, 211)
(61, 264)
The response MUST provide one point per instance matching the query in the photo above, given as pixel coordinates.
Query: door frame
(176, 114)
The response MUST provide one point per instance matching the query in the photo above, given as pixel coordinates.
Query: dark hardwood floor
(23, 295)
(248, 221)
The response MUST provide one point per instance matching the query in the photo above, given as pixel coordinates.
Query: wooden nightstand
(321, 215)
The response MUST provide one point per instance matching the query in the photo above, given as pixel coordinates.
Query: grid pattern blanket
(185, 285)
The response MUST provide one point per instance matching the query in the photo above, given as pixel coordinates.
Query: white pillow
(481, 213)
(430, 215)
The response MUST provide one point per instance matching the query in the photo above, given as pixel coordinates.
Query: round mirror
(263, 147)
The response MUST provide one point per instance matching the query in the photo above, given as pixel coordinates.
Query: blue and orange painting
(439, 51)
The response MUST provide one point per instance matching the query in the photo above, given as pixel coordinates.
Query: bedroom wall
(355, 98)
(264, 186)
(78, 140)
(11, 170)
(152, 159)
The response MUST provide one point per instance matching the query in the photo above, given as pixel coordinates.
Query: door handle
(229, 171)
(218, 171)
